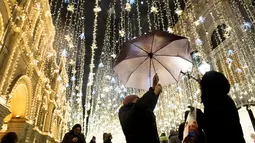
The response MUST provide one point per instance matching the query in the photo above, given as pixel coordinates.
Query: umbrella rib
(168, 44)
(150, 71)
(166, 69)
(139, 48)
(135, 57)
(174, 56)
(135, 70)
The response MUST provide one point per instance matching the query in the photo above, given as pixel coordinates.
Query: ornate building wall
(32, 85)
(223, 33)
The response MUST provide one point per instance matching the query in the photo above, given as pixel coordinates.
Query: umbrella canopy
(158, 52)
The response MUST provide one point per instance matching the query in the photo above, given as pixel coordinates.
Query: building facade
(32, 85)
(222, 31)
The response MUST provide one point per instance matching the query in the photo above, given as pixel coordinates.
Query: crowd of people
(219, 123)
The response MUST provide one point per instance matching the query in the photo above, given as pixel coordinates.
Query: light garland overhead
(107, 92)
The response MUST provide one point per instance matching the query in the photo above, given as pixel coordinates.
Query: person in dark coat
(182, 126)
(200, 120)
(93, 140)
(10, 137)
(174, 139)
(221, 119)
(74, 136)
(137, 118)
(107, 137)
(172, 133)
(163, 138)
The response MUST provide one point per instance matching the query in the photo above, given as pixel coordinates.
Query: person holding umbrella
(137, 118)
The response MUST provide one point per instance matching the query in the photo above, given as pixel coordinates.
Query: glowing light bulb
(59, 78)
(201, 19)
(170, 30)
(64, 53)
(246, 26)
(230, 52)
(128, 7)
(73, 78)
(204, 67)
(101, 65)
(228, 28)
(154, 9)
(97, 9)
(199, 42)
(178, 11)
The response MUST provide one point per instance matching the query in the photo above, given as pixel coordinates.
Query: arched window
(218, 35)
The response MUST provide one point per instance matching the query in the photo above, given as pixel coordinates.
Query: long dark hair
(10, 137)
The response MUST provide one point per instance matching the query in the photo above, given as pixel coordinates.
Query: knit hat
(128, 99)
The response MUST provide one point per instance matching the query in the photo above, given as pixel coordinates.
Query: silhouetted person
(163, 138)
(173, 137)
(200, 137)
(221, 119)
(74, 136)
(182, 126)
(93, 140)
(137, 118)
(10, 137)
(107, 137)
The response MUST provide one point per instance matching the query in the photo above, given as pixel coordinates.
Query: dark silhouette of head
(107, 137)
(10, 137)
(163, 134)
(214, 85)
(76, 129)
(93, 139)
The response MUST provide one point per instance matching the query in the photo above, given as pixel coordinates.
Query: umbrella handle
(152, 64)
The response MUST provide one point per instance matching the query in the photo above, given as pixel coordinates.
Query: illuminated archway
(20, 99)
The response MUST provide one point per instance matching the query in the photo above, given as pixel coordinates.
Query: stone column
(19, 126)
(28, 136)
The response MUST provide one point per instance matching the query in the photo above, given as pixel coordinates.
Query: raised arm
(148, 101)
(150, 98)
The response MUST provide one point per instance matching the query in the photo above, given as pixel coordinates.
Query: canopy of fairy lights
(221, 42)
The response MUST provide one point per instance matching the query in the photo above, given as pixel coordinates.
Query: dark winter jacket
(138, 120)
(174, 139)
(222, 122)
(69, 136)
(221, 119)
